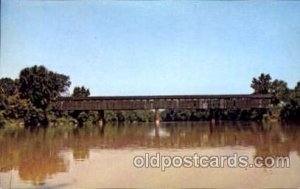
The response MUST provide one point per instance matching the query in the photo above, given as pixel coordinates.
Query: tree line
(29, 99)
(285, 105)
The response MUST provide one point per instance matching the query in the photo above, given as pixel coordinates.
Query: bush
(35, 117)
(82, 117)
(2, 121)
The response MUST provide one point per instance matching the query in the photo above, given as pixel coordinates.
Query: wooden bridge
(101, 103)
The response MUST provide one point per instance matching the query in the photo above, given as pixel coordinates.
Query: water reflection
(159, 132)
(36, 154)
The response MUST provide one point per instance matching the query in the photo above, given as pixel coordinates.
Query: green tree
(262, 84)
(82, 116)
(295, 95)
(81, 92)
(279, 90)
(8, 87)
(40, 86)
(3, 101)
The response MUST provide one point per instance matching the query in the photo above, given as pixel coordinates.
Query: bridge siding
(164, 102)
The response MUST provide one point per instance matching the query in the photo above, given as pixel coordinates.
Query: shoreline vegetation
(28, 102)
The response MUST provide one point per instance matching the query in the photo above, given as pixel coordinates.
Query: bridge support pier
(101, 120)
(213, 116)
(157, 117)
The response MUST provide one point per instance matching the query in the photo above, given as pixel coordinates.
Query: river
(103, 157)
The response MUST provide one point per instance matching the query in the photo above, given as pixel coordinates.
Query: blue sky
(154, 47)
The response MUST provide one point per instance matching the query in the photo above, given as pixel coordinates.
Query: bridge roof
(216, 96)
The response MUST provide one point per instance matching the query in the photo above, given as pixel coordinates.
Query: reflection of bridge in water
(37, 163)
(163, 102)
